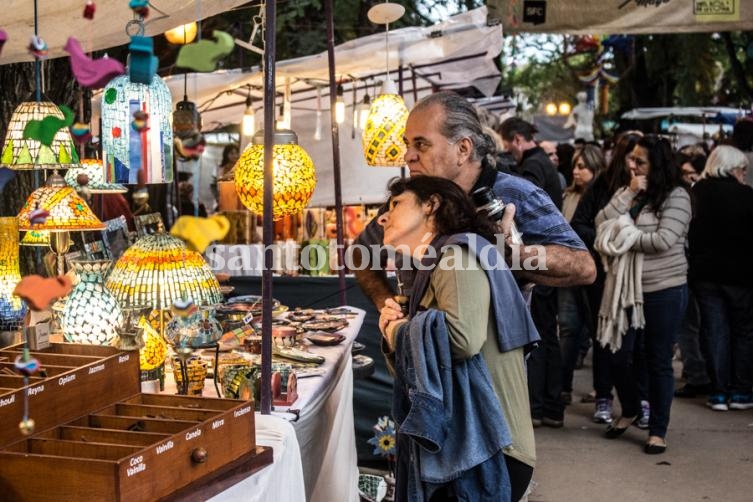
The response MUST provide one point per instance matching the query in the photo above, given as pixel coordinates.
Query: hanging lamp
(382, 138)
(294, 175)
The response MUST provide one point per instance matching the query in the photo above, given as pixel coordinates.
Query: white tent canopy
(684, 111)
(456, 53)
(59, 19)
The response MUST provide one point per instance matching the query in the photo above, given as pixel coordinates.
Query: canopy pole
(268, 229)
(335, 151)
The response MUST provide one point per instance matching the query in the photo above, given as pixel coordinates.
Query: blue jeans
(572, 316)
(727, 330)
(664, 312)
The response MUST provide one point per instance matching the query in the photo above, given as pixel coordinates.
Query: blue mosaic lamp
(137, 132)
(12, 308)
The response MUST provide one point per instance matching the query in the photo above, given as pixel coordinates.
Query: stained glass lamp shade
(36, 238)
(382, 138)
(20, 153)
(294, 175)
(12, 308)
(135, 152)
(158, 270)
(94, 170)
(67, 210)
(91, 313)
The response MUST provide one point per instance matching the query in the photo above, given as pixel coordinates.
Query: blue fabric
(450, 424)
(514, 325)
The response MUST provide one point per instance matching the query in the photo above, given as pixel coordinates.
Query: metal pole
(268, 232)
(328, 13)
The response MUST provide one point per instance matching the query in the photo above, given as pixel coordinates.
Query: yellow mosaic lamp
(294, 175)
(382, 138)
(36, 238)
(20, 153)
(12, 308)
(158, 270)
(67, 211)
(93, 170)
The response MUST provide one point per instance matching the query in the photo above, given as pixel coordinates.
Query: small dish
(325, 339)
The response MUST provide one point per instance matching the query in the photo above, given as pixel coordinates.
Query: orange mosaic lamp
(294, 175)
(67, 211)
(12, 308)
(20, 153)
(158, 270)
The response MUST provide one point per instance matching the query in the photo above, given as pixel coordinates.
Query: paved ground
(709, 457)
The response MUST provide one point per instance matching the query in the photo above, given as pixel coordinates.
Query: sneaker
(603, 413)
(717, 402)
(642, 422)
(741, 402)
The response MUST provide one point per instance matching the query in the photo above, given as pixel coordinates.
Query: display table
(322, 422)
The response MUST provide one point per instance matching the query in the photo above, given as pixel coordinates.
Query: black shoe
(690, 390)
(614, 432)
(654, 449)
(552, 422)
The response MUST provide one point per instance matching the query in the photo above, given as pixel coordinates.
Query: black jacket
(536, 167)
(721, 232)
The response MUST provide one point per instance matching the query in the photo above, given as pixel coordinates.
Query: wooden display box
(134, 447)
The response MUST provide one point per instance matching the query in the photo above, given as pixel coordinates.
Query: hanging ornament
(139, 7)
(205, 54)
(45, 130)
(89, 9)
(3, 39)
(191, 147)
(92, 73)
(143, 62)
(81, 133)
(140, 121)
(38, 47)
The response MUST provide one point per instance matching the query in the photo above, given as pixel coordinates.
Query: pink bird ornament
(91, 73)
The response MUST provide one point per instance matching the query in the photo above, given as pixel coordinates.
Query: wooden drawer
(143, 448)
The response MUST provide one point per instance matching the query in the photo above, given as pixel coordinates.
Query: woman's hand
(390, 312)
(637, 183)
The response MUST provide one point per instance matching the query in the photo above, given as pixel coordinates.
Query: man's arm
(373, 283)
(564, 266)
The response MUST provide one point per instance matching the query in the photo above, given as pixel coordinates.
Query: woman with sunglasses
(640, 316)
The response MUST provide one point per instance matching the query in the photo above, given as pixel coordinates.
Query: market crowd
(647, 254)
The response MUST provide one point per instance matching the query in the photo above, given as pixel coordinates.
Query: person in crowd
(721, 271)
(444, 138)
(230, 155)
(187, 206)
(692, 159)
(572, 304)
(482, 332)
(565, 152)
(550, 149)
(596, 196)
(645, 224)
(742, 139)
(545, 364)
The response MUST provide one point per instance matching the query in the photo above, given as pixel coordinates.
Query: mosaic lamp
(91, 313)
(93, 170)
(12, 308)
(382, 138)
(66, 212)
(20, 153)
(158, 270)
(36, 238)
(137, 132)
(294, 175)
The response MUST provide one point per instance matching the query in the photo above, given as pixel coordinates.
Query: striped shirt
(663, 236)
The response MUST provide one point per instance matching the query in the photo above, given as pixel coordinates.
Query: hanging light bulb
(249, 119)
(318, 129)
(382, 138)
(362, 111)
(340, 105)
(181, 35)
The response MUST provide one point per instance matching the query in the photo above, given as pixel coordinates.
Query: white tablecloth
(324, 431)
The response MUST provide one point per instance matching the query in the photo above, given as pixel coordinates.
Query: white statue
(582, 118)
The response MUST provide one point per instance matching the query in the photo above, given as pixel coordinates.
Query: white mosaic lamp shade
(294, 175)
(20, 153)
(12, 308)
(131, 153)
(91, 312)
(94, 170)
(158, 270)
(382, 138)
